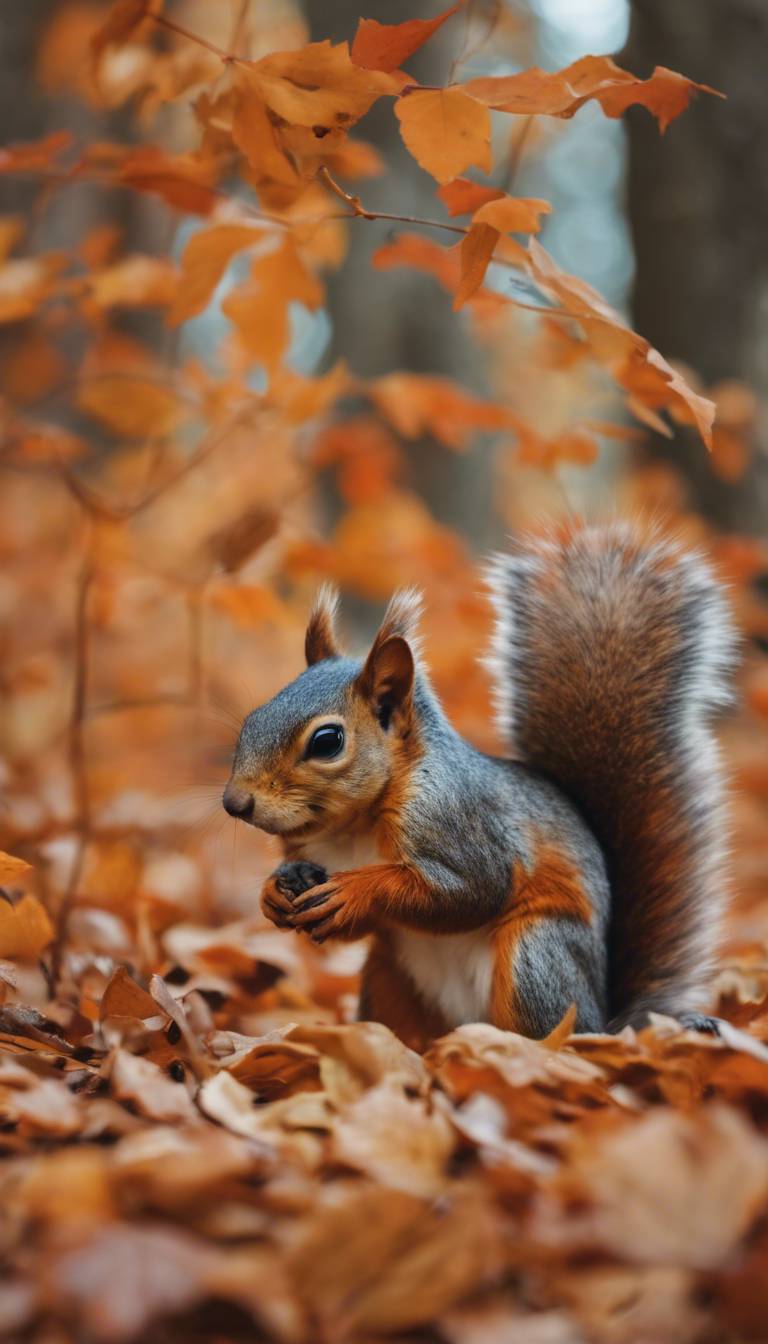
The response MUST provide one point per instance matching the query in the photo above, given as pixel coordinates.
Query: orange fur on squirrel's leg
(552, 889)
(387, 995)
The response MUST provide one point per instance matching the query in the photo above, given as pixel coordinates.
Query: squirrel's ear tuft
(402, 617)
(320, 640)
(387, 676)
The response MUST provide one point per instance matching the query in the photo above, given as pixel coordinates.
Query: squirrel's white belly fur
(451, 971)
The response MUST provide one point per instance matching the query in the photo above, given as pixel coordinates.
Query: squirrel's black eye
(325, 742)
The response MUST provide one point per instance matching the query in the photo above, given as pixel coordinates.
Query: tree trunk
(698, 206)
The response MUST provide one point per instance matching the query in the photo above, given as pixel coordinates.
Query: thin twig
(164, 22)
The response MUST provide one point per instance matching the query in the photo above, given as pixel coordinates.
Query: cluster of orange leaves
(198, 1141)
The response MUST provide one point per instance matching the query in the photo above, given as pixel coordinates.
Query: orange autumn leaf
(131, 406)
(510, 214)
(576, 447)
(641, 370)
(203, 262)
(416, 404)
(32, 368)
(255, 134)
(413, 249)
(446, 131)
(34, 155)
(124, 998)
(318, 85)
(134, 282)
(25, 929)
(12, 869)
(11, 230)
(504, 215)
(562, 92)
(476, 252)
(463, 196)
(384, 46)
(123, 18)
(259, 309)
(184, 181)
(25, 284)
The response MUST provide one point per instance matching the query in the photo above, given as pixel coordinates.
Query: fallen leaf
(155, 1095)
(25, 929)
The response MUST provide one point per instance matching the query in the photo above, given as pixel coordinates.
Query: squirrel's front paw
(332, 909)
(282, 888)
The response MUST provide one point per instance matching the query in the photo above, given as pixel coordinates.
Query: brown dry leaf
(363, 1054)
(392, 1276)
(562, 92)
(401, 1143)
(318, 85)
(124, 998)
(132, 407)
(135, 1079)
(38, 1105)
(666, 1188)
(384, 46)
(204, 261)
(161, 1270)
(25, 929)
(446, 131)
(12, 869)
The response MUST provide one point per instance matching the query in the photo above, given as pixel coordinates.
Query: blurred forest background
(224, 380)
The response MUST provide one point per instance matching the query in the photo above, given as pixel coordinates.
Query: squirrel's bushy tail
(613, 647)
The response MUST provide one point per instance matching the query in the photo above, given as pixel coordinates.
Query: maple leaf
(384, 46)
(446, 131)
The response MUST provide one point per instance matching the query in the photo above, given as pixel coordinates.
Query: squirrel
(586, 867)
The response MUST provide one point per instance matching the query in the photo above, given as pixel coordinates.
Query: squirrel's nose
(238, 805)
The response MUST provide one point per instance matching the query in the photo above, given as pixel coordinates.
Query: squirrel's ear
(387, 677)
(320, 640)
